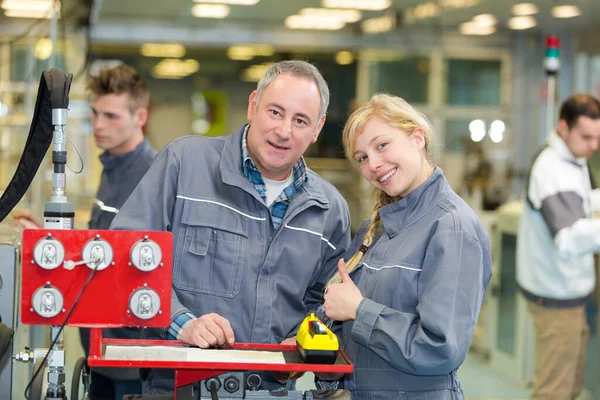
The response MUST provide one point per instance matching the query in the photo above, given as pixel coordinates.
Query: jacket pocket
(209, 259)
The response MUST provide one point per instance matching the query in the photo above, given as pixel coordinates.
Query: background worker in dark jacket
(119, 112)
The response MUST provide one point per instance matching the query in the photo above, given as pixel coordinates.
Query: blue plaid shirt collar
(252, 173)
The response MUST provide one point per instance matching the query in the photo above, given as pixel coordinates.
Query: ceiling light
(344, 58)
(173, 68)
(31, 8)
(163, 50)
(255, 72)
(358, 4)
(521, 23)
(346, 15)
(458, 3)
(43, 49)
(210, 10)
(427, 10)
(248, 52)
(314, 22)
(477, 129)
(472, 28)
(525, 9)
(373, 26)
(496, 132)
(31, 5)
(565, 11)
(485, 20)
(234, 2)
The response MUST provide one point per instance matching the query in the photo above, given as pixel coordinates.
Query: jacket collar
(121, 161)
(404, 212)
(559, 145)
(232, 173)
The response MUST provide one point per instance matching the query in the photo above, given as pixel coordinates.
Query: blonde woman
(420, 268)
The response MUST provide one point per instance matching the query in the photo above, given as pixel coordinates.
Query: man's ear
(562, 128)
(252, 103)
(318, 129)
(141, 117)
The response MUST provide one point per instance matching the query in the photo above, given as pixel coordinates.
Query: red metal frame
(189, 372)
(105, 301)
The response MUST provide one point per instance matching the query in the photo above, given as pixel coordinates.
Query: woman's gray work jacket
(423, 283)
(227, 259)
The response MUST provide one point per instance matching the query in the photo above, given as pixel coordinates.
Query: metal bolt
(145, 285)
(129, 263)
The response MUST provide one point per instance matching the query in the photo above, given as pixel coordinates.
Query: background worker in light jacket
(256, 233)
(421, 264)
(557, 238)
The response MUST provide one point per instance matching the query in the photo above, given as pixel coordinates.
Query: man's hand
(25, 219)
(342, 299)
(208, 331)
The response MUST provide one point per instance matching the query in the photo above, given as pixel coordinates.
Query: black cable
(75, 380)
(41, 367)
(213, 391)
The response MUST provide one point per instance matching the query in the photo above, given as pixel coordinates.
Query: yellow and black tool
(317, 344)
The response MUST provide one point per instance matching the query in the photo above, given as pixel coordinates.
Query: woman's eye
(361, 159)
(381, 146)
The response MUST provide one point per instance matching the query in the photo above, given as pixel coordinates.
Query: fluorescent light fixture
(210, 10)
(358, 4)
(458, 3)
(496, 132)
(173, 68)
(255, 72)
(232, 2)
(43, 49)
(314, 22)
(521, 23)
(477, 129)
(163, 50)
(30, 8)
(344, 58)
(427, 10)
(374, 26)
(472, 28)
(347, 15)
(525, 9)
(565, 11)
(31, 5)
(248, 52)
(485, 20)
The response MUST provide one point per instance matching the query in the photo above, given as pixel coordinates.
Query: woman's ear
(419, 137)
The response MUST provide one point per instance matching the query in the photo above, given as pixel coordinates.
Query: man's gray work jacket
(227, 259)
(423, 282)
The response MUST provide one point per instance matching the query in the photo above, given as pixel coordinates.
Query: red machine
(127, 281)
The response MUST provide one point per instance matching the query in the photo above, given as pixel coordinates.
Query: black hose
(76, 379)
(35, 390)
(213, 391)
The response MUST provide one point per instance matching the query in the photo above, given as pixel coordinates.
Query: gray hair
(298, 68)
